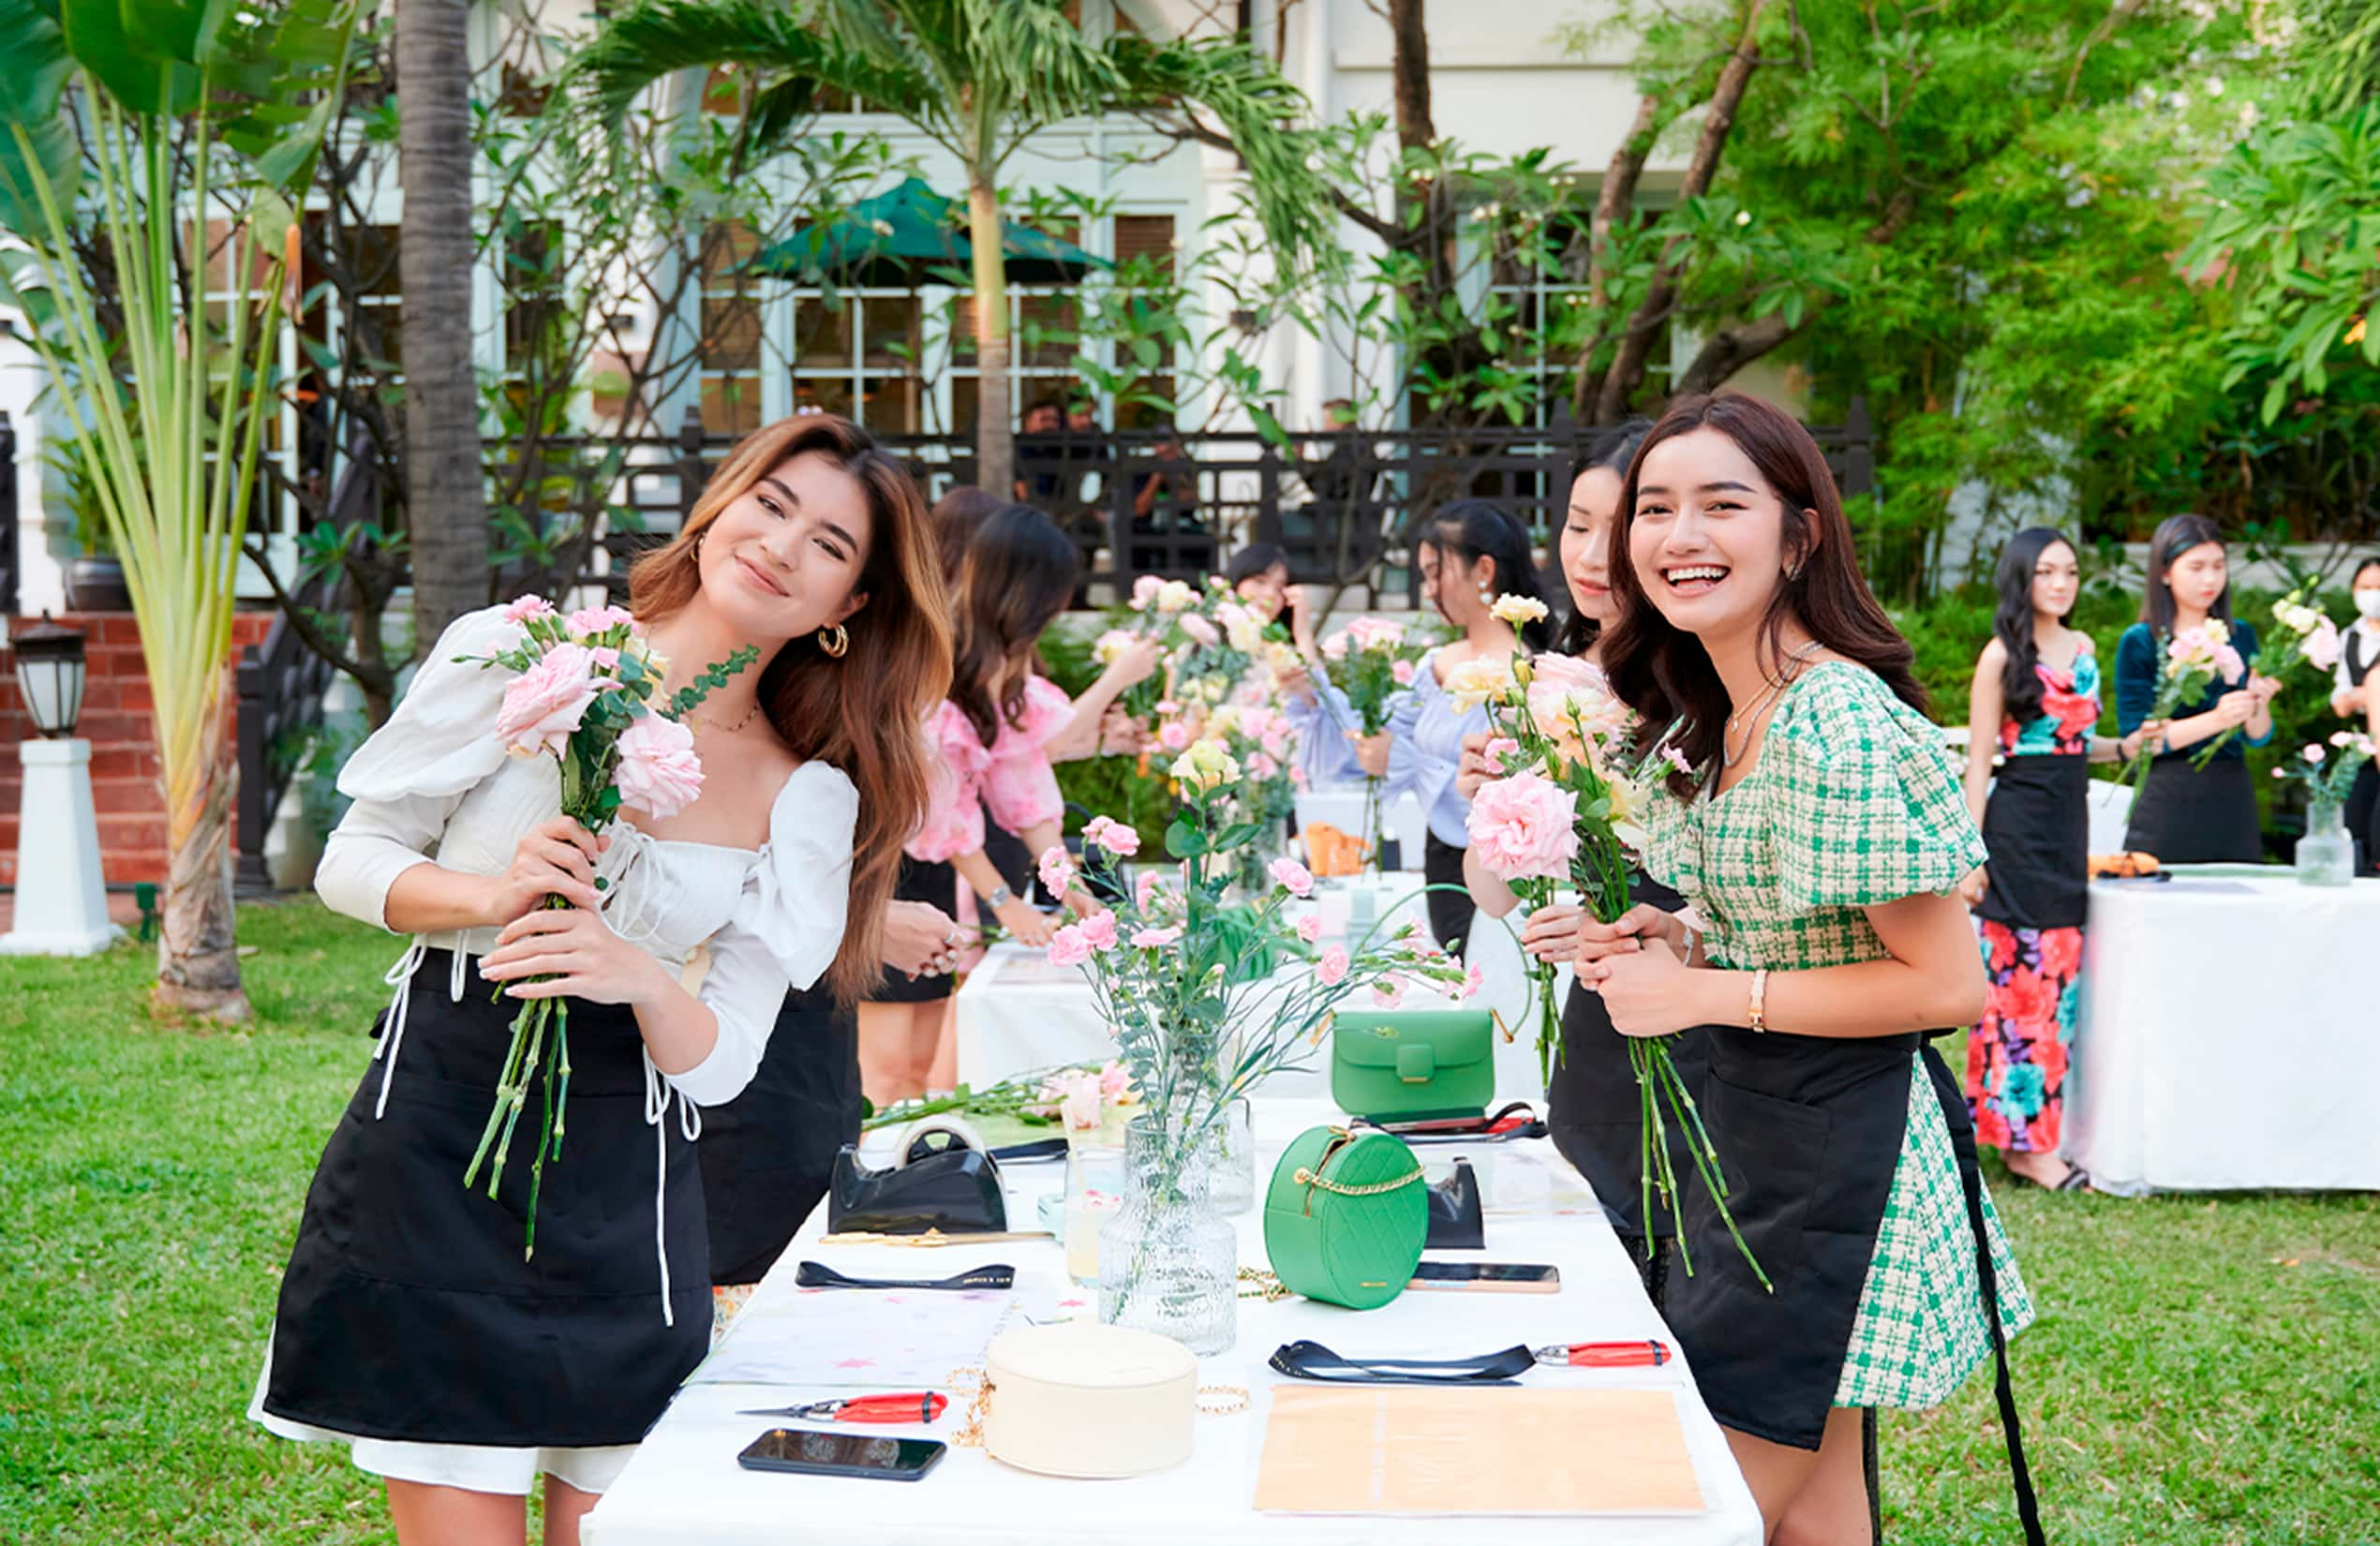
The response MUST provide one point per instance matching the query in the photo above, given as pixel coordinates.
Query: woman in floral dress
(2036, 699)
(1814, 826)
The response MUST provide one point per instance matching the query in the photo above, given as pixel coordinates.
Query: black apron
(1808, 1131)
(936, 880)
(1452, 911)
(407, 1312)
(1595, 1114)
(2189, 815)
(2038, 828)
(766, 1155)
(2362, 811)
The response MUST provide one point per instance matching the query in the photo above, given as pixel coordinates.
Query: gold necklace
(708, 723)
(1776, 684)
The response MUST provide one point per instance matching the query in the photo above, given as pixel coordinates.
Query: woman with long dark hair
(2355, 695)
(2186, 814)
(410, 1325)
(1470, 553)
(1593, 1108)
(2035, 701)
(990, 743)
(1814, 825)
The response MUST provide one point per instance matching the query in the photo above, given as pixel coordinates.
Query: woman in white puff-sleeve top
(410, 1323)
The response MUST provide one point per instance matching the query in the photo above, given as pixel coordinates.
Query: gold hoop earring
(834, 642)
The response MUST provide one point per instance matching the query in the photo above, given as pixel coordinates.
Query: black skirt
(937, 882)
(1452, 911)
(2363, 817)
(2189, 815)
(2038, 829)
(407, 1312)
(767, 1155)
(1596, 1114)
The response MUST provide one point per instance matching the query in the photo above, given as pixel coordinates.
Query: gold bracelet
(1760, 1000)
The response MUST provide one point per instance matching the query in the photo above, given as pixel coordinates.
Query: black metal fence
(8, 568)
(1341, 504)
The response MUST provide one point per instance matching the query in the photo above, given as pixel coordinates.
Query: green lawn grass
(2205, 1371)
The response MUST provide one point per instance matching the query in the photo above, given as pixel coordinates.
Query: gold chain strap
(1307, 1177)
(1257, 1283)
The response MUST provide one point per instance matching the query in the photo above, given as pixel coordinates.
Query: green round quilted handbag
(1346, 1216)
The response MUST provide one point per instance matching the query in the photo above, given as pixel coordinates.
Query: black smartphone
(1502, 1277)
(809, 1452)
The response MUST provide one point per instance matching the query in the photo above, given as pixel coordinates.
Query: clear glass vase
(2326, 854)
(1167, 1261)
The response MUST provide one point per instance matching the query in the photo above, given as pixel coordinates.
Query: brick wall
(116, 721)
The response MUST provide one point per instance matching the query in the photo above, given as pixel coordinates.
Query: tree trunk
(197, 954)
(446, 509)
(995, 444)
(1409, 33)
(1636, 345)
(1614, 202)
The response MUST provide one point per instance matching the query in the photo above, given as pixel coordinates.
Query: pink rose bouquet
(581, 693)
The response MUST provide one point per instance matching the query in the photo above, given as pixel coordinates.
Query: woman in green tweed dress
(1816, 826)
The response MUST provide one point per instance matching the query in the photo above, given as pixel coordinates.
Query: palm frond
(1034, 68)
(1264, 116)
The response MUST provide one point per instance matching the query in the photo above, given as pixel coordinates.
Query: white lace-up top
(435, 783)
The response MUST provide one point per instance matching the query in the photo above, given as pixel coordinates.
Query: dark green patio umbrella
(897, 239)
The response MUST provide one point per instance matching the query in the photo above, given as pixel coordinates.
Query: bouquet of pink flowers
(2192, 659)
(581, 694)
(1560, 814)
(2304, 636)
(2326, 778)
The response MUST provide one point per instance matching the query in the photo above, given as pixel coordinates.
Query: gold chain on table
(1257, 1283)
(1307, 1177)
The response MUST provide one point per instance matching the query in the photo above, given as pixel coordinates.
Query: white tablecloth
(684, 1487)
(1016, 1014)
(2230, 1035)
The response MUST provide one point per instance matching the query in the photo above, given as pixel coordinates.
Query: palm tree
(446, 504)
(202, 120)
(978, 78)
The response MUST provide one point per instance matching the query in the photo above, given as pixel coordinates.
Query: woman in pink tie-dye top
(995, 803)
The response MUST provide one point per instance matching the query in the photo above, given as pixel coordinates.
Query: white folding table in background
(2230, 1035)
(684, 1488)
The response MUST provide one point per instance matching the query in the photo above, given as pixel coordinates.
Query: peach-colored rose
(659, 772)
(546, 703)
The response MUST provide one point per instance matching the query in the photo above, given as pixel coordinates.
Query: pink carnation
(1261, 767)
(1200, 629)
(1401, 673)
(606, 660)
(1054, 869)
(1299, 778)
(591, 620)
(1174, 735)
(1114, 1079)
(1387, 992)
(1113, 836)
(1473, 981)
(1335, 647)
(1310, 928)
(1156, 939)
(543, 705)
(1289, 872)
(1099, 931)
(1332, 969)
(1499, 747)
(1144, 889)
(2228, 663)
(1523, 827)
(521, 609)
(1144, 592)
(1067, 947)
(659, 772)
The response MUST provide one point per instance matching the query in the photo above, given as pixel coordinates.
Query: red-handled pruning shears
(902, 1407)
(1646, 1354)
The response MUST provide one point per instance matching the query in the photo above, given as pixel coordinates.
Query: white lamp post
(62, 896)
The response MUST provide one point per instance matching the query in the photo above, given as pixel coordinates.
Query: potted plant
(94, 577)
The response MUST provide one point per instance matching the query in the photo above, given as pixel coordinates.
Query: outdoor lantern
(49, 669)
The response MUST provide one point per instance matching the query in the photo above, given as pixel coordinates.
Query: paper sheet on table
(841, 1336)
(1407, 1449)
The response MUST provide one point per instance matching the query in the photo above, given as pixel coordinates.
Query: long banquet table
(2228, 1037)
(684, 1486)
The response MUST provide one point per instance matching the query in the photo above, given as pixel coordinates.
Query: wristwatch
(1000, 897)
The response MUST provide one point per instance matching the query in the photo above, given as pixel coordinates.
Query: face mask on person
(2367, 603)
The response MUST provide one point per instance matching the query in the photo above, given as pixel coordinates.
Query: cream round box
(1086, 1400)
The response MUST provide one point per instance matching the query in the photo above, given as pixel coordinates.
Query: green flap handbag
(1344, 1218)
(1404, 1065)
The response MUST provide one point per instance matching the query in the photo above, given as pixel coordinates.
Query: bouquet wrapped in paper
(2190, 661)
